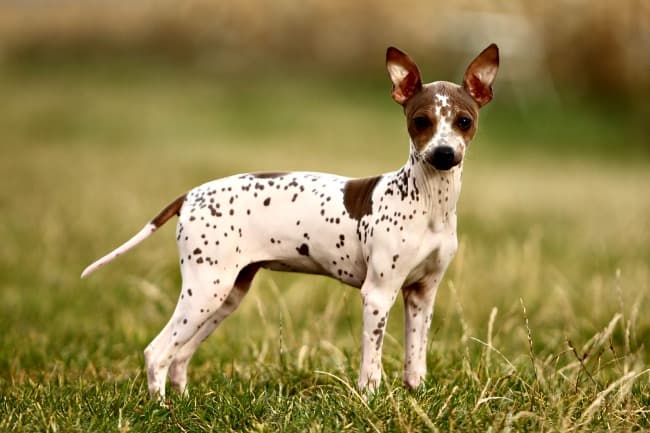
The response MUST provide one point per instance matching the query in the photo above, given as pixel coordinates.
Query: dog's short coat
(384, 234)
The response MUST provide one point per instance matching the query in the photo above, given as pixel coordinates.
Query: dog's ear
(404, 74)
(481, 73)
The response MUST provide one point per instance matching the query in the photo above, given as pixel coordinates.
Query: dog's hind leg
(202, 295)
(178, 368)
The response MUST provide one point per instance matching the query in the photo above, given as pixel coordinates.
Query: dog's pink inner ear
(478, 90)
(404, 74)
(481, 74)
(406, 88)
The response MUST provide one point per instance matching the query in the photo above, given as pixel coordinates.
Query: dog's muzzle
(442, 158)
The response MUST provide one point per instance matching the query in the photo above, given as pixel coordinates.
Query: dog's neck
(436, 190)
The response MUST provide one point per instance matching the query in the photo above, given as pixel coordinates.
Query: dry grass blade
(352, 391)
(490, 331)
(422, 414)
(494, 349)
(445, 406)
(601, 397)
(529, 335)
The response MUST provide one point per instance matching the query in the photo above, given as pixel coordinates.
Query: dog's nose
(443, 158)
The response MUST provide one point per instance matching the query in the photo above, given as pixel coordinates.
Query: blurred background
(110, 109)
(573, 81)
(594, 46)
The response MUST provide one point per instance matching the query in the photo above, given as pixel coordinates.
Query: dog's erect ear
(404, 74)
(481, 73)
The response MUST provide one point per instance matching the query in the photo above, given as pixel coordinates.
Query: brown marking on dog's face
(442, 115)
(269, 175)
(357, 196)
(423, 109)
(172, 209)
(421, 120)
(440, 107)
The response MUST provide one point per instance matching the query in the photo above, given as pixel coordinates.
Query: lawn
(539, 325)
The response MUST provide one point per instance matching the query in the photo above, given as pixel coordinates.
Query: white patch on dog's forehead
(442, 99)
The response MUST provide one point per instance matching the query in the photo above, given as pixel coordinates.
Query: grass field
(541, 323)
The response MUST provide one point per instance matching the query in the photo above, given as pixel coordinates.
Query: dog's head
(442, 117)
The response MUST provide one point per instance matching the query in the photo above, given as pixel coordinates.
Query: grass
(539, 323)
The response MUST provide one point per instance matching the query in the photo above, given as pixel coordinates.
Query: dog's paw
(413, 380)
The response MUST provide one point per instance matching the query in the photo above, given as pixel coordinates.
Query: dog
(383, 234)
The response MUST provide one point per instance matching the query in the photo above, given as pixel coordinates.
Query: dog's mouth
(443, 158)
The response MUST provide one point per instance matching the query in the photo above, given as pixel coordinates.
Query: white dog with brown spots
(386, 234)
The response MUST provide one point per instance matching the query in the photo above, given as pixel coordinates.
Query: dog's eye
(464, 123)
(421, 122)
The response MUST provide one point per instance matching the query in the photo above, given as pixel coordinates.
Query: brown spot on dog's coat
(357, 196)
(268, 175)
(417, 288)
(303, 250)
(246, 275)
(172, 209)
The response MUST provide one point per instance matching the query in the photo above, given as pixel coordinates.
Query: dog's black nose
(443, 158)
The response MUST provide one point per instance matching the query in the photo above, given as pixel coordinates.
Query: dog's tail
(172, 209)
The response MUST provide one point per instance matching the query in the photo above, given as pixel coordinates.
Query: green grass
(540, 323)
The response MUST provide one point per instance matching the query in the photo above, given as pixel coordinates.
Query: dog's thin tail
(172, 209)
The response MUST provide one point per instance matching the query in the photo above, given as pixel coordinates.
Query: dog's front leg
(419, 299)
(378, 298)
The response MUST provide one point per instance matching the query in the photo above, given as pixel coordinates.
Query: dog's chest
(414, 220)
